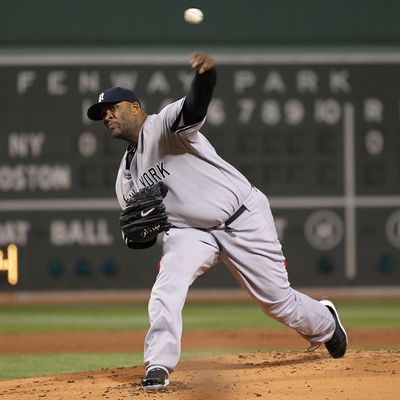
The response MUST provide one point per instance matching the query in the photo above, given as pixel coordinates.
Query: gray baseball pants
(253, 254)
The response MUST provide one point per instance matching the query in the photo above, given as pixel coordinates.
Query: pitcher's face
(122, 119)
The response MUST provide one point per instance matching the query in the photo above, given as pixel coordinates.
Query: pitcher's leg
(187, 253)
(276, 298)
(253, 253)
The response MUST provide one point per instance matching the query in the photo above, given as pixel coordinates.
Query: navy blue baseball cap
(110, 96)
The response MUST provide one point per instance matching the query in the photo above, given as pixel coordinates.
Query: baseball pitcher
(172, 180)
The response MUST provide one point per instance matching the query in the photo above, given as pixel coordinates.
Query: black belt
(235, 215)
(232, 218)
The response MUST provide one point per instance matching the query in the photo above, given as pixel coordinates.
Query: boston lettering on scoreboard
(318, 133)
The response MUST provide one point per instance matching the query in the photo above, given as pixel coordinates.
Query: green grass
(100, 318)
(370, 313)
(73, 318)
(125, 317)
(28, 365)
(31, 365)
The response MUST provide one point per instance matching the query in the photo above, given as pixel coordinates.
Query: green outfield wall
(307, 106)
(227, 23)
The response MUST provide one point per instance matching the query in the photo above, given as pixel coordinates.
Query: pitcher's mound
(290, 375)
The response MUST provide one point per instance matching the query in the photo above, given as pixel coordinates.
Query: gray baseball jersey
(204, 191)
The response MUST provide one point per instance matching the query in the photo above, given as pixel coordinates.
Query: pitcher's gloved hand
(144, 217)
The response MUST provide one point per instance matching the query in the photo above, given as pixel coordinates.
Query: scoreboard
(319, 133)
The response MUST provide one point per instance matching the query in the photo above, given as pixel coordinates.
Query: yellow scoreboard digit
(10, 264)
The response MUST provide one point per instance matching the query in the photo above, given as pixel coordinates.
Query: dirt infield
(289, 374)
(360, 375)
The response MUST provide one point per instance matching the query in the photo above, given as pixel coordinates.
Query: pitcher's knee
(281, 309)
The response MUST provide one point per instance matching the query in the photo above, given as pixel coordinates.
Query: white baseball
(193, 16)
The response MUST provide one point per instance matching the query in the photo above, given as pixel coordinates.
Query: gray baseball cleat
(337, 345)
(155, 379)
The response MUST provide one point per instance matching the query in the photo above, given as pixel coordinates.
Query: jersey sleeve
(173, 119)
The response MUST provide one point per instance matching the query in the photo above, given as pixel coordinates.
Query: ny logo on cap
(101, 97)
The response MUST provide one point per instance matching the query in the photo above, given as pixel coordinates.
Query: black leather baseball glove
(144, 217)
